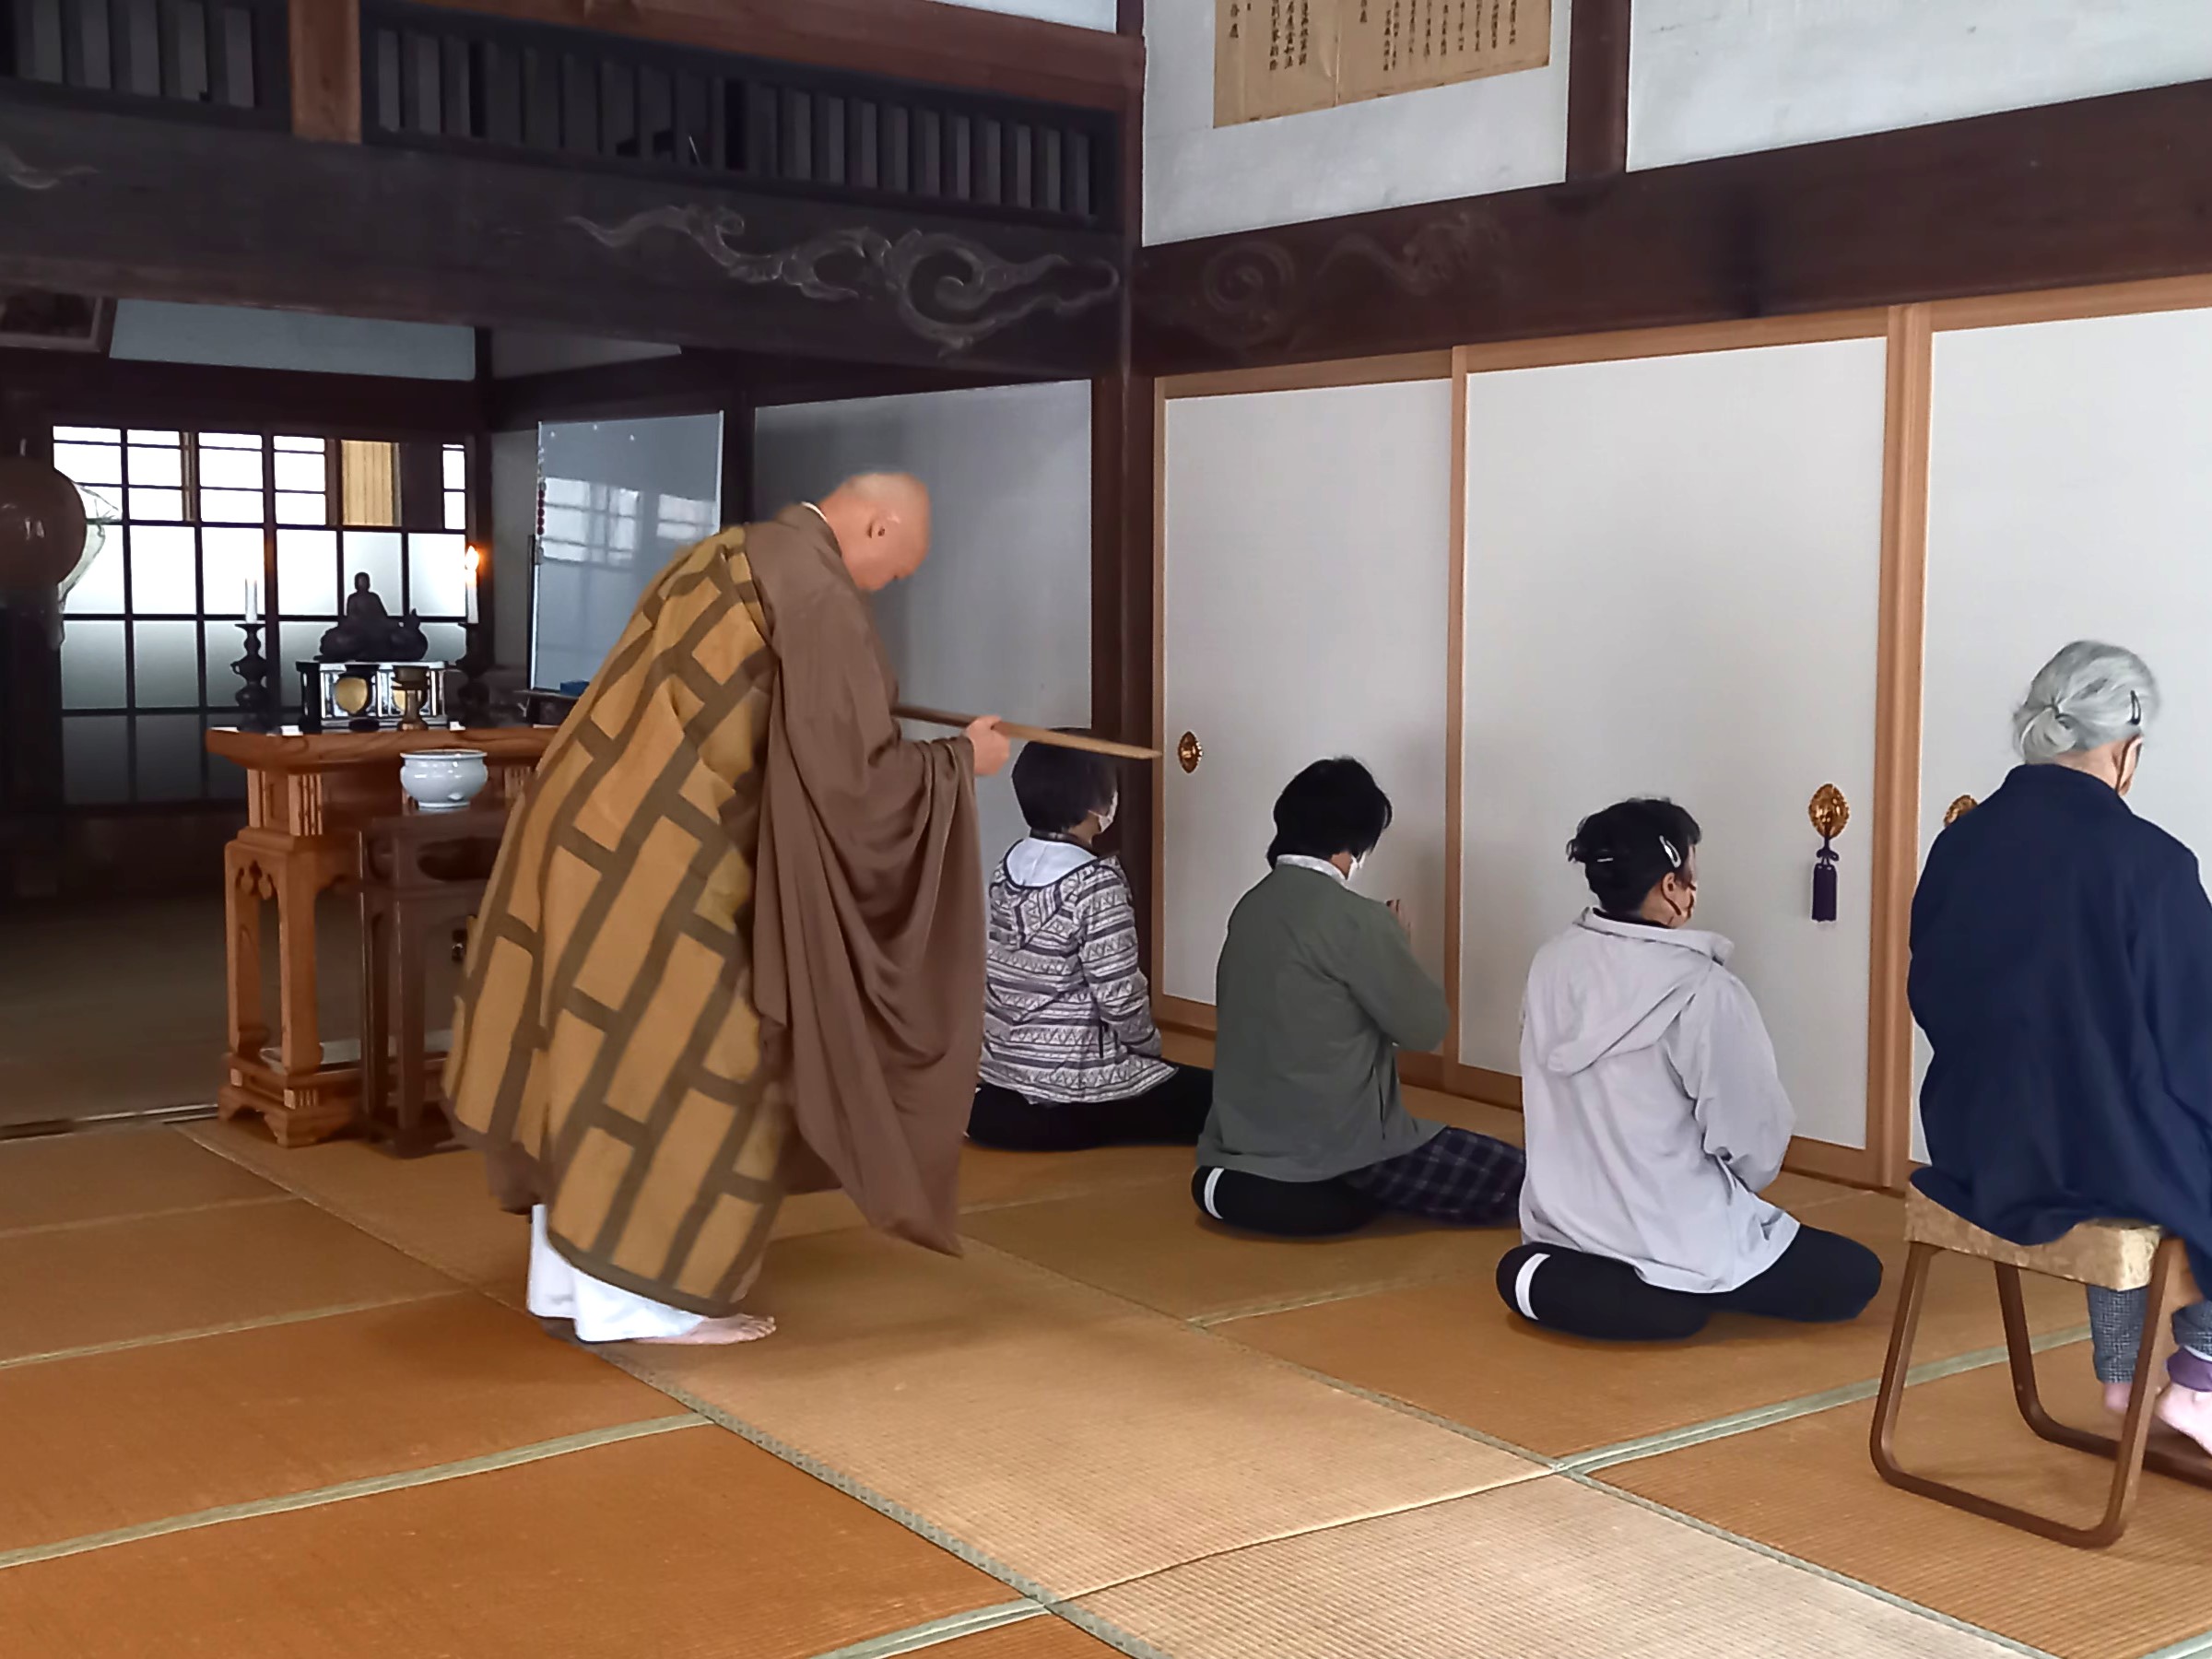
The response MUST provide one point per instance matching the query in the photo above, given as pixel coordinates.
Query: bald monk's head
(881, 521)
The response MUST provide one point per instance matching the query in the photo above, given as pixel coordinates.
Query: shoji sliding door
(2069, 496)
(1306, 553)
(1671, 583)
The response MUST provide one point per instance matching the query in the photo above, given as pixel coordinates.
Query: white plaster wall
(998, 620)
(156, 331)
(521, 351)
(1502, 133)
(1083, 14)
(1720, 78)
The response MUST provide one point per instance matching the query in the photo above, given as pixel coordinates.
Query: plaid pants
(1459, 1176)
(2116, 1330)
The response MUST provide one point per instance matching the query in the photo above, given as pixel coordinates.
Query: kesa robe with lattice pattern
(611, 1056)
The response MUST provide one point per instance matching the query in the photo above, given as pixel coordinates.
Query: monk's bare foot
(2116, 1397)
(719, 1333)
(2188, 1412)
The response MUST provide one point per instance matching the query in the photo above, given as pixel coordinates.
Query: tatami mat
(1808, 1488)
(437, 1208)
(1153, 1245)
(680, 1545)
(1077, 1440)
(1454, 1350)
(1543, 1571)
(161, 1274)
(990, 1179)
(60, 1180)
(121, 1438)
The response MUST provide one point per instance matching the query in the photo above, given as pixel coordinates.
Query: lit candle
(252, 600)
(473, 560)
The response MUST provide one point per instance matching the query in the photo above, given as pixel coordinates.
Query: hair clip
(2134, 708)
(1673, 858)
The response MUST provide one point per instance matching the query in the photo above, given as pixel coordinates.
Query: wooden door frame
(1908, 331)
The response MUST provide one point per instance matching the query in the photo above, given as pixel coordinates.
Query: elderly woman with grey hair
(2062, 969)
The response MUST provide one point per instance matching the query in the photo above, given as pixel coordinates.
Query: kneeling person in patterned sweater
(1071, 1057)
(1655, 1115)
(1317, 991)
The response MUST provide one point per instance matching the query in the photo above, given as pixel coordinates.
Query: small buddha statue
(369, 635)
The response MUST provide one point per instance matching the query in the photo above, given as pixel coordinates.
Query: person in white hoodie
(1656, 1116)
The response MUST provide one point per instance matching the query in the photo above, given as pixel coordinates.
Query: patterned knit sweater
(1067, 1016)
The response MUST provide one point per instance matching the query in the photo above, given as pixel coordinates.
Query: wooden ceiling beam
(2098, 191)
(137, 208)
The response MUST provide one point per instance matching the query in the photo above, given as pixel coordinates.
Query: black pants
(1822, 1279)
(1169, 1115)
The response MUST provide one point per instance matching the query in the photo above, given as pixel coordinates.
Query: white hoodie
(1655, 1112)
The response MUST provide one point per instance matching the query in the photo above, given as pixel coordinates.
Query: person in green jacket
(1316, 991)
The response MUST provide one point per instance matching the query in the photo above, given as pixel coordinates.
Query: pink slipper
(718, 1333)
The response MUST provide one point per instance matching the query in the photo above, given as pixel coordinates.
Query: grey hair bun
(2090, 694)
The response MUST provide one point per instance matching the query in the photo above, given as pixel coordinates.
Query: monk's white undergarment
(602, 1313)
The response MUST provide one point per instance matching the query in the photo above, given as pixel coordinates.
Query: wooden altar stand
(309, 795)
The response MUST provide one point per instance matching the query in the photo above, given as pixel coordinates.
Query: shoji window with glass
(197, 527)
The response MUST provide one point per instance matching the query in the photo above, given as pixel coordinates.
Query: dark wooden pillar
(1597, 89)
(737, 503)
(31, 707)
(1123, 659)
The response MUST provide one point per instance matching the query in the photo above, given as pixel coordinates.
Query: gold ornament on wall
(1831, 813)
(1189, 752)
(1959, 809)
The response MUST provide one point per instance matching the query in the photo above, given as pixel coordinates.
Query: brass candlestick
(411, 687)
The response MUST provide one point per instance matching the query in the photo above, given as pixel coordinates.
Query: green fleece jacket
(1315, 993)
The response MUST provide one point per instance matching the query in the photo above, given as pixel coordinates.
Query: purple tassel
(1823, 884)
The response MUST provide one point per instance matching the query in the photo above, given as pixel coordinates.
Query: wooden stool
(2114, 1255)
(423, 875)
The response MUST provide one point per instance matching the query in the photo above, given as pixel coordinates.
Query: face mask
(1353, 874)
(1106, 818)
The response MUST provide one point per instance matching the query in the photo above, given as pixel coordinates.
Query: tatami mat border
(951, 1627)
(89, 1222)
(229, 1327)
(369, 1487)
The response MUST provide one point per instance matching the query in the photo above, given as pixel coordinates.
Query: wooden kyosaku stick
(1028, 733)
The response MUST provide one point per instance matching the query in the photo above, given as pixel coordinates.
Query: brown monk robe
(734, 904)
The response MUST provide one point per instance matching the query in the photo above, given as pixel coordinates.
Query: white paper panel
(1672, 572)
(1306, 563)
(2070, 496)
(998, 620)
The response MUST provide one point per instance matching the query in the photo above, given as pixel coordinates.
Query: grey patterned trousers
(2116, 1332)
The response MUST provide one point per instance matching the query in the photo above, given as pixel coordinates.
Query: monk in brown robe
(733, 947)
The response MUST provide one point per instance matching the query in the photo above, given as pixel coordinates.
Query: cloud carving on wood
(15, 171)
(941, 287)
(1253, 291)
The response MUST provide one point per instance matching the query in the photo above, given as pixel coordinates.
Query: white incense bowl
(443, 780)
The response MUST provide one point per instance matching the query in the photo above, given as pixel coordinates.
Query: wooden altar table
(308, 796)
